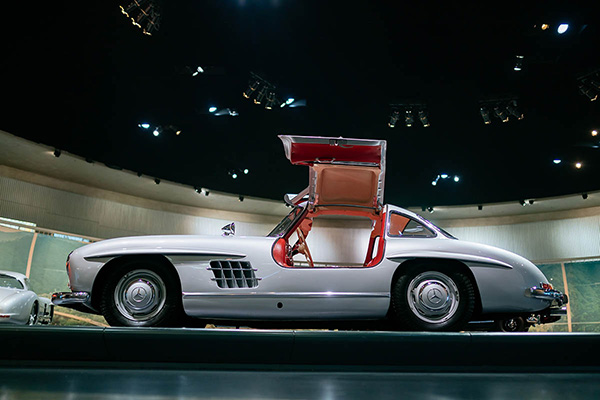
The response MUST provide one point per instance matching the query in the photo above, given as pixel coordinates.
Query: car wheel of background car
(431, 298)
(33, 314)
(516, 324)
(141, 293)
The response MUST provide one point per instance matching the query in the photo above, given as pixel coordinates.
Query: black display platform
(297, 350)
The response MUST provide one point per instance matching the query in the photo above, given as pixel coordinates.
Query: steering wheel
(302, 247)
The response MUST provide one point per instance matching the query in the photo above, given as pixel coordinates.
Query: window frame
(425, 226)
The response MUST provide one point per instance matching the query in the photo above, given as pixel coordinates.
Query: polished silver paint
(501, 277)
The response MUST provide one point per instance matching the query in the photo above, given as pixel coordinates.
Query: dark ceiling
(78, 76)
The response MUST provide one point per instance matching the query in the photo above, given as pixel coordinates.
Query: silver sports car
(19, 304)
(414, 275)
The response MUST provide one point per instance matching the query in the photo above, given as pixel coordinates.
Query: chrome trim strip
(202, 256)
(299, 295)
(468, 258)
(62, 298)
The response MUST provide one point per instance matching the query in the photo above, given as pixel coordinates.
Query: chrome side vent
(233, 274)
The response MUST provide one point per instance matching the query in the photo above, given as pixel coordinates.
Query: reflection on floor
(84, 384)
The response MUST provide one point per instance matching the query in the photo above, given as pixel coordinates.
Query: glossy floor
(82, 384)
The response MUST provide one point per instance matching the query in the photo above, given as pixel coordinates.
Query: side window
(406, 227)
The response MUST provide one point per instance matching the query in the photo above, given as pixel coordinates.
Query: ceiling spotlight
(253, 86)
(408, 118)
(57, 153)
(157, 181)
(512, 109)
(578, 165)
(177, 133)
(557, 161)
(424, 119)
(545, 26)
(562, 28)
(480, 207)
(531, 202)
(594, 133)
(519, 63)
(246, 171)
(260, 96)
(443, 176)
(233, 113)
(433, 183)
(485, 114)
(423, 208)
(430, 209)
(143, 12)
(289, 101)
(198, 190)
(234, 175)
(522, 202)
(588, 92)
(501, 113)
(394, 118)
(144, 125)
(270, 101)
(241, 198)
(456, 178)
(584, 196)
(198, 70)
(212, 109)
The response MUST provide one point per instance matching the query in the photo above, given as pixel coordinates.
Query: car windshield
(11, 282)
(286, 223)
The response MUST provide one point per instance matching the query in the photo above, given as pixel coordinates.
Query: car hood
(221, 246)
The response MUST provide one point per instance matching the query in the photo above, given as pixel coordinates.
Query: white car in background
(19, 304)
(414, 275)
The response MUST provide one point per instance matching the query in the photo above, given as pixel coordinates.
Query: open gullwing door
(342, 172)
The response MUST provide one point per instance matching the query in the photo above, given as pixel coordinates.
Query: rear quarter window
(402, 226)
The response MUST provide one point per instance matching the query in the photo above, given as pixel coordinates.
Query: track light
(430, 209)
(518, 63)
(480, 207)
(594, 133)
(270, 101)
(143, 14)
(157, 181)
(584, 196)
(394, 118)
(260, 96)
(57, 153)
(408, 118)
(578, 165)
(501, 113)
(423, 208)
(522, 202)
(241, 198)
(512, 109)
(253, 86)
(531, 202)
(485, 114)
(424, 119)
(587, 91)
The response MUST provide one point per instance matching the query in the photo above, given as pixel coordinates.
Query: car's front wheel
(141, 293)
(432, 298)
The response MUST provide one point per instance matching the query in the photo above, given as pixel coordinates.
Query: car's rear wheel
(433, 298)
(141, 293)
(33, 314)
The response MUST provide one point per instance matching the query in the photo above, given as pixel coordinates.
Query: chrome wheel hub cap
(433, 297)
(140, 295)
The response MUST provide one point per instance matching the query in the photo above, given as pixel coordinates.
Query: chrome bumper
(548, 294)
(68, 298)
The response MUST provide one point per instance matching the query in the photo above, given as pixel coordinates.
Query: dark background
(80, 77)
